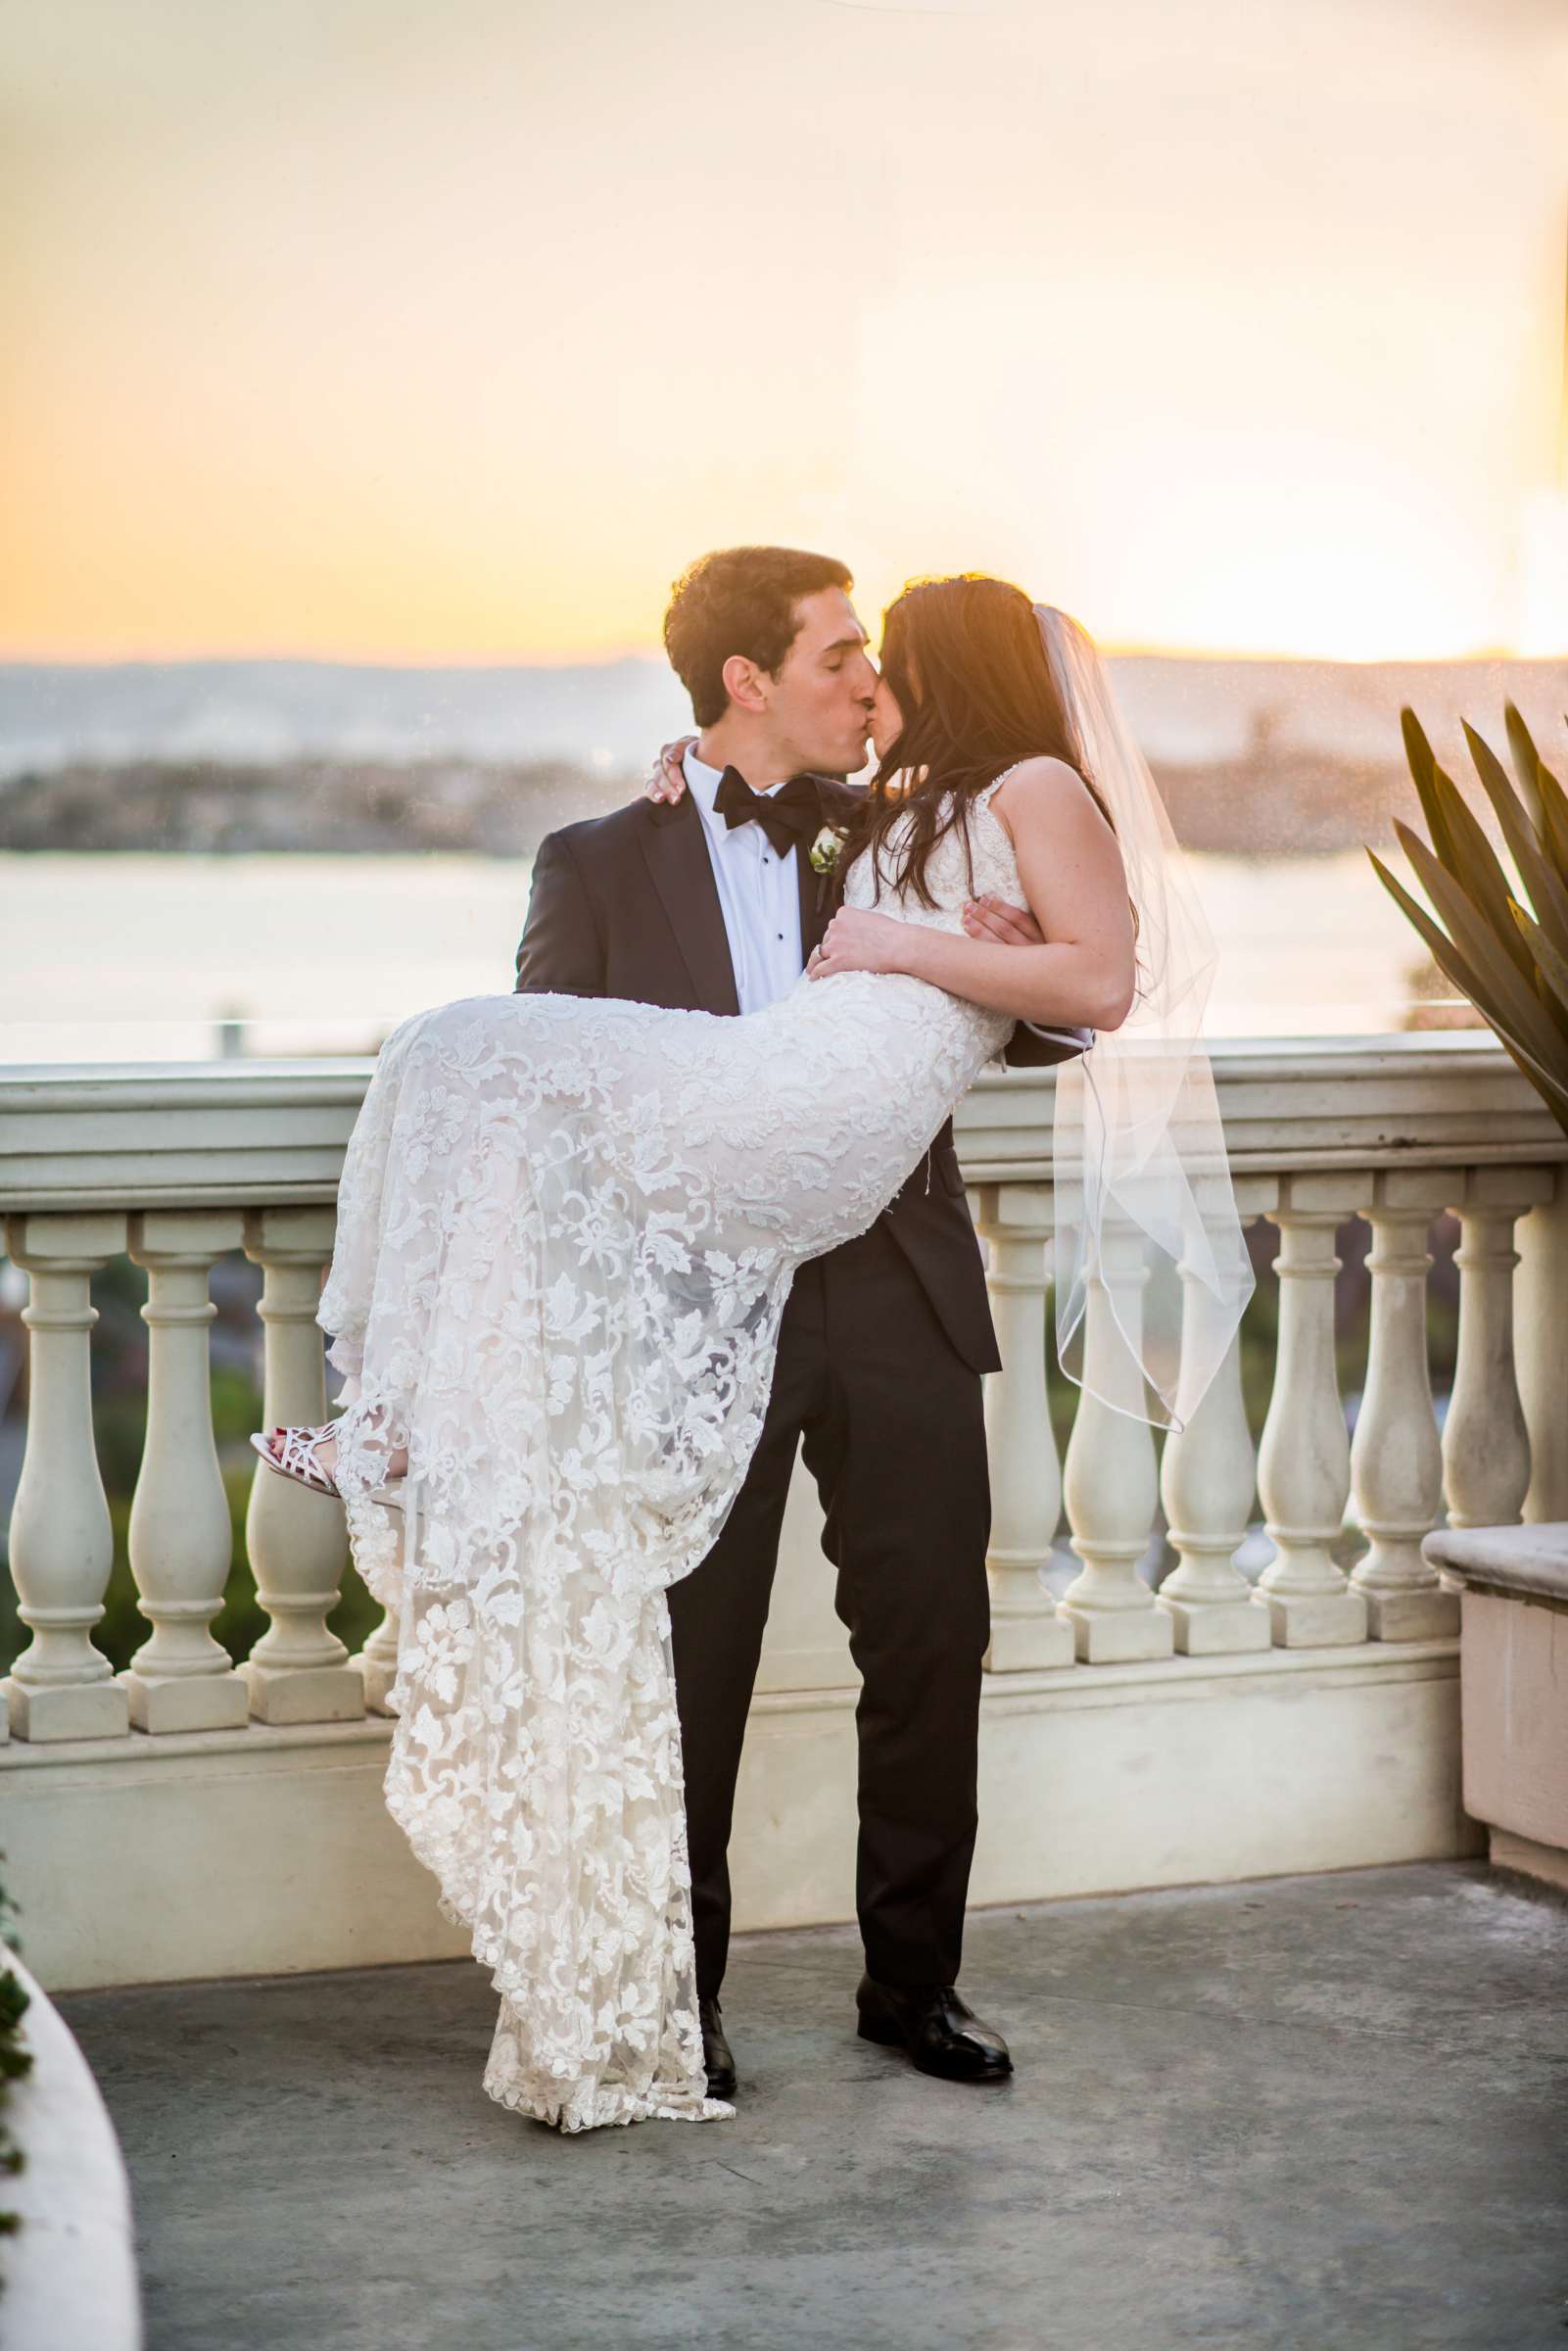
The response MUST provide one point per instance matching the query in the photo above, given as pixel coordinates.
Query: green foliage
(1501, 938)
(16, 2059)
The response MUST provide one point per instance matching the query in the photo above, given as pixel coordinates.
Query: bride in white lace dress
(567, 1229)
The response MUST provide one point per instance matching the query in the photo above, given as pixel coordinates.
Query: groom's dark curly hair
(739, 600)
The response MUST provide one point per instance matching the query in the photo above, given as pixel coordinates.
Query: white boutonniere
(827, 850)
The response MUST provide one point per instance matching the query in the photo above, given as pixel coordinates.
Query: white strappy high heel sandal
(297, 1459)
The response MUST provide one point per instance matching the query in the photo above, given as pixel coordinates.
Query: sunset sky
(384, 329)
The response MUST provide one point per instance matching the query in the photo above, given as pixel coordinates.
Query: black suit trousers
(892, 1422)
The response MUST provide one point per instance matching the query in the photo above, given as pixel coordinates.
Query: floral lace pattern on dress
(567, 1230)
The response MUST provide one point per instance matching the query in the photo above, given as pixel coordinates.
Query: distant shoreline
(609, 717)
(1255, 757)
(1270, 802)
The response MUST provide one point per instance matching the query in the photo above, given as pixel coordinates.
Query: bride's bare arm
(1073, 877)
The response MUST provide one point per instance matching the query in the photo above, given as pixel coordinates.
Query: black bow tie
(791, 815)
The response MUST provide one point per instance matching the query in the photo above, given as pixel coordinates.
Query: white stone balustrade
(286, 1129)
(1027, 1629)
(1208, 1476)
(1303, 1463)
(1111, 1483)
(181, 1537)
(1396, 1459)
(1216, 1727)
(1486, 1445)
(377, 1664)
(1541, 1351)
(62, 1546)
(299, 1672)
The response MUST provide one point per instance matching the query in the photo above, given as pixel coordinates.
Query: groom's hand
(992, 917)
(666, 779)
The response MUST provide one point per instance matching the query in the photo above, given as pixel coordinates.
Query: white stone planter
(70, 2271)
(1513, 1688)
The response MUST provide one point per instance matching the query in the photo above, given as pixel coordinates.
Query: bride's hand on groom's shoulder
(857, 941)
(666, 779)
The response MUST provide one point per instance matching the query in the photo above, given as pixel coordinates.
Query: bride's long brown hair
(964, 661)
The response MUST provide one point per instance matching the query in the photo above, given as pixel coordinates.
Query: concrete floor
(1314, 2112)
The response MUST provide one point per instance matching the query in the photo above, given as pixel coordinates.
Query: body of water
(173, 958)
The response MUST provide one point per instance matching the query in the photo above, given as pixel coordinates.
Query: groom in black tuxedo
(711, 901)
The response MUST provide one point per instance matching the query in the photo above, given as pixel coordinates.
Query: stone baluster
(1485, 1448)
(1026, 1630)
(1395, 1459)
(181, 1534)
(377, 1664)
(1207, 1478)
(299, 1672)
(62, 1547)
(1110, 1487)
(1303, 1464)
(1541, 1350)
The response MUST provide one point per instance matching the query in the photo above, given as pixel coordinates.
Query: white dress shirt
(759, 894)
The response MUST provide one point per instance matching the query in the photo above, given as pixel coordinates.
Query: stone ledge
(202, 1134)
(270, 1852)
(1522, 1563)
(1176, 1677)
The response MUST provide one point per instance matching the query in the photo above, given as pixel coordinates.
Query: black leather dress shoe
(940, 2031)
(716, 2052)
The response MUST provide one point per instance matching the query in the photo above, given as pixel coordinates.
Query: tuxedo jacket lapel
(821, 893)
(681, 873)
(817, 895)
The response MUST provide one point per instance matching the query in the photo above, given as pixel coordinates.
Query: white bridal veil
(1152, 1271)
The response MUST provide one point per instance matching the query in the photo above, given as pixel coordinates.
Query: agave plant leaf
(1493, 1002)
(1544, 887)
(1417, 745)
(1553, 1089)
(1444, 954)
(1546, 1084)
(1551, 962)
(1554, 814)
(1541, 1026)
(1523, 744)
(1532, 1013)
(1474, 864)
(1541, 786)
(1526, 760)
(1424, 774)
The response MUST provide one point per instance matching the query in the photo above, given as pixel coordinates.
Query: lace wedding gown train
(567, 1230)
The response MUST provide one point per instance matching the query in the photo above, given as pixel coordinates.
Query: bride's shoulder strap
(1016, 767)
(988, 792)
(1053, 776)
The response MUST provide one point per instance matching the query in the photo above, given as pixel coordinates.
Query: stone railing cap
(1532, 1561)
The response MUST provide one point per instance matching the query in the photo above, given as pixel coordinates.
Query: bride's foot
(309, 1457)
